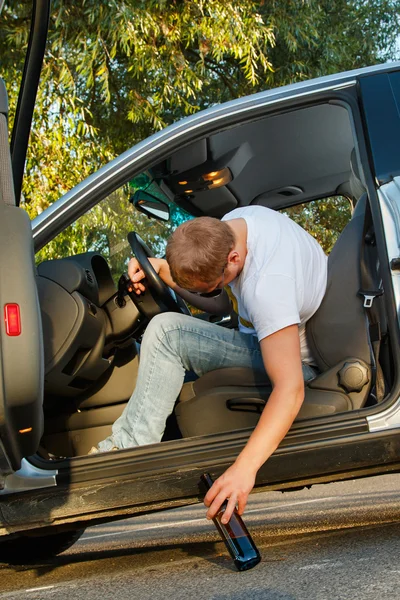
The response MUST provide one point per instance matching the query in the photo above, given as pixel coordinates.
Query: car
(71, 331)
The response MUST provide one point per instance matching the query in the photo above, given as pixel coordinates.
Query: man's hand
(235, 484)
(136, 273)
(282, 361)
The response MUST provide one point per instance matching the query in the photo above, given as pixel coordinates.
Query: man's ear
(234, 257)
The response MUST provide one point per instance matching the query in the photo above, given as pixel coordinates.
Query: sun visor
(214, 203)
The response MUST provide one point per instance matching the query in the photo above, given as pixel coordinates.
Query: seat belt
(369, 292)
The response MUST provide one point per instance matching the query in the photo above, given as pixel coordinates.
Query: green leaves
(324, 219)
(115, 71)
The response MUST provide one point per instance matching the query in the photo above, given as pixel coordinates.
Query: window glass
(105, 227)
(324, 219)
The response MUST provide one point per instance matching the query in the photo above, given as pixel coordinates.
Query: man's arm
(160, 266)
(282, 361)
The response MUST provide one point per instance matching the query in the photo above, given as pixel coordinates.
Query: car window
(105, 227)
(324, 219)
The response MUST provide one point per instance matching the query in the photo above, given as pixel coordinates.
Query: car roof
(307, 166)
(279, 160)
(275, 161)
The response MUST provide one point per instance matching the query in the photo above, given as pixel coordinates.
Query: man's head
(198, 252)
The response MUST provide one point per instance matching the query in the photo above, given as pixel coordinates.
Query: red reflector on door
(12, 319)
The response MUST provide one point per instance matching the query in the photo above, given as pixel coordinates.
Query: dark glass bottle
(235, 535)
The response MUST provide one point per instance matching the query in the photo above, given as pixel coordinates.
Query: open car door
(21, 346)
(21, 338)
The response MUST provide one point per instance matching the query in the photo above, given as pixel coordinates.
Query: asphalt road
(334, 542)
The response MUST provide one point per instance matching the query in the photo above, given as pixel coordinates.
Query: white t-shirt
(284, 276)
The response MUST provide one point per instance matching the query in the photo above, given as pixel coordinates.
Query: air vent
(89, 277)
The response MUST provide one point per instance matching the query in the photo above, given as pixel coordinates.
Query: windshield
(105, 227)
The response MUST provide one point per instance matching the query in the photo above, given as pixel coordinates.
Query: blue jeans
(173, 344)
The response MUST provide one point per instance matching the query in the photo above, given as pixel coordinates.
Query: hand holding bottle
(234, 486)
(235, 534)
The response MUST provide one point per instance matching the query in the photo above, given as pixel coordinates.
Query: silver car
(70, 335)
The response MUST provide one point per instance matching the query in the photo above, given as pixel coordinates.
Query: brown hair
(198, 250)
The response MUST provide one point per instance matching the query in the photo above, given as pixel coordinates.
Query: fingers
(212, 492)
(229, 509)
(138, 288)
(242, 502)
(211, 501)
(218, 501)
(135, 271)
(215, 498)
(216, 505)
(230, 487)
(136, 274)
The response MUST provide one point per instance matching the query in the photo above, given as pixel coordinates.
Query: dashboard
(82, 322)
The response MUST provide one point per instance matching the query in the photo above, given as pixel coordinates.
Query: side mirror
(150, 205)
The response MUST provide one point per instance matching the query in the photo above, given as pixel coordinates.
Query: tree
(324, 219)
(115, 71)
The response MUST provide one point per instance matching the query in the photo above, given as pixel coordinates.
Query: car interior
(93, 327)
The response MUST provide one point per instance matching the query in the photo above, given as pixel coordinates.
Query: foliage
(316, 38)
(105, 227)
(115, 71)
(324, 219)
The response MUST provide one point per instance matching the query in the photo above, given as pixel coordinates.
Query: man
(276, 273)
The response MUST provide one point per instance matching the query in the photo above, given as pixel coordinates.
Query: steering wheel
(161, 292)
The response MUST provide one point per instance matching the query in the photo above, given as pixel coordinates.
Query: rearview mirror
(150, 205)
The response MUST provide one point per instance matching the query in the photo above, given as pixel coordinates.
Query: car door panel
(21, 345)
